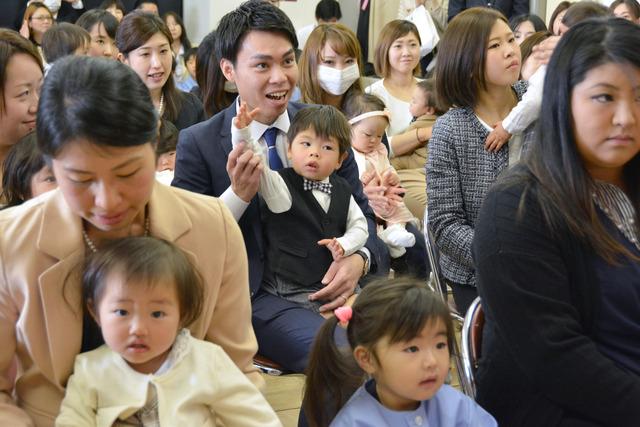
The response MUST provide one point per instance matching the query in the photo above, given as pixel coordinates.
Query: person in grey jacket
(460, 169)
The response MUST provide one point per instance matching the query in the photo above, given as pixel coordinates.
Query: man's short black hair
(327, 10)
(253, 15)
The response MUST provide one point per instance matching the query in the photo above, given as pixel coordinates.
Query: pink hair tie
(343, 314)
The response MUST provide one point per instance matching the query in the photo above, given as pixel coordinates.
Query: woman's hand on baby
(497, 138)
(244, 117)
(334, 246)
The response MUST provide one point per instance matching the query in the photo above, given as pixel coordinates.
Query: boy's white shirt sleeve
(528, 109)
(357, 231)
(272, 188)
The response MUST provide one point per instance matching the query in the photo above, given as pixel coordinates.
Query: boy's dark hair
(582, 10)
(167, 137)
(632, 6)
(395, 309)
(192, 51)
(428, 88)
(144, 261)
(327, 122)
(252, 15)
(327, 10)
(22, 163)
(63, 39)
(99, 16)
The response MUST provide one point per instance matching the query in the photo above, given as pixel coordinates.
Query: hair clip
(343, 314)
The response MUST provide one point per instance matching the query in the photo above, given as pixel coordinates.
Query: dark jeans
(463, 295)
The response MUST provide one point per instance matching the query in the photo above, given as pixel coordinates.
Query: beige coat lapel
(60, 237)
(168, 219)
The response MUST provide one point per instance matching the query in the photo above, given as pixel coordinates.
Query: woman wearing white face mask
(330, 66)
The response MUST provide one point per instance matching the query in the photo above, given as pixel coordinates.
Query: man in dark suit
(257, 45)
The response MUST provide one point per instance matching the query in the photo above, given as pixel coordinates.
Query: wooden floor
(284, 394)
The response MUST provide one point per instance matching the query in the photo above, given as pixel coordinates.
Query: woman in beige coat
(97, 126)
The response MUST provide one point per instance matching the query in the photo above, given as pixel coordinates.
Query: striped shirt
(618, 208)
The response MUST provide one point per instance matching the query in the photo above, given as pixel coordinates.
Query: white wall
(202, 16)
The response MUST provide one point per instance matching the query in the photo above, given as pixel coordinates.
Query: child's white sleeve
(272, 188)
(79, 405)
(244, 134)
(236, 401)
(528, 109)
(357, 231)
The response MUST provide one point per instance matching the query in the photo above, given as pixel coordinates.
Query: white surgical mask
(335, 81)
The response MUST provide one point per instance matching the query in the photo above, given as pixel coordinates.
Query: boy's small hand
(244, 117)
(497, 138)
(334, 246)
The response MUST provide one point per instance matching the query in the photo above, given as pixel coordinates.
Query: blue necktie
(269, 136)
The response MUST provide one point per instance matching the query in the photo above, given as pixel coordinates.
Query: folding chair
(472, 343)
(436, 280)
(268, 366)
(438, 285)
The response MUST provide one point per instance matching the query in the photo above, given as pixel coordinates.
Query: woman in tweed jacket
(480, 44)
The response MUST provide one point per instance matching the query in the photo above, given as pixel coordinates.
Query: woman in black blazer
(556, 247)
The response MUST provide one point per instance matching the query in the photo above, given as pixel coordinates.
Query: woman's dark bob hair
(94, 99)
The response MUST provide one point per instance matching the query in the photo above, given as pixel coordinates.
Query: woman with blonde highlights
(330, 66)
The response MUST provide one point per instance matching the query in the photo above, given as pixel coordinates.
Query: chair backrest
(437, 280)
(472, 342)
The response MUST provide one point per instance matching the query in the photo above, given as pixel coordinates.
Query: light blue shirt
(448, 408)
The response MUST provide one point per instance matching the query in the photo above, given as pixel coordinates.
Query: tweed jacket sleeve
(459, 174)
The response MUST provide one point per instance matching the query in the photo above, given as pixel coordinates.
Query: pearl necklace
(161, 105)
(92, 246)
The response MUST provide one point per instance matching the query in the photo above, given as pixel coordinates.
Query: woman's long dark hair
(395, 309)
(22, 163)
(184, 39)
(136, 29)
(554, 172)
(210, 78)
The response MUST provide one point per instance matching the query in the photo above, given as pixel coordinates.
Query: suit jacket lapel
(225, 131)
(60, 237)
(167, 219)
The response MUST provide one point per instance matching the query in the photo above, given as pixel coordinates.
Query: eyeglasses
(42, 18)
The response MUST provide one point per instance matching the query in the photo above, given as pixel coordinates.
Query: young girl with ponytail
(399, 334)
